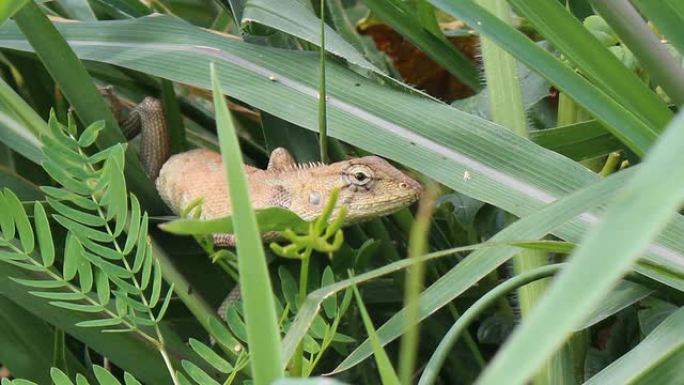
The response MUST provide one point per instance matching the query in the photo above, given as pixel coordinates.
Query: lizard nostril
(403, 185)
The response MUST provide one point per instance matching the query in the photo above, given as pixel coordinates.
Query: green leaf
(156, 285)
(102, 287)
(142, 251)
(602, 68)
(222, 335)
(330, 303)
(270, 219)
(73, 251)
(134, 226)
(622, 120)
(59, 296)
(507, 171)
(6, 219)
(90, 134)
(104, 376)
(62, 194)
(165, 305)
(9, 256)
(297, 20)
(47, 248)
(197, 374)
(40, 283)
(211, 357)
(21, 220)
(624, 295)
(81, 380)
(257, 294)
(82, 231)
(387, 372)
(578, 141)
(9, 7)
(64, 178)
(634, 218)
(552, 246)
(85, 275)
(665, 16)
(78, 307)
(100, 323)
(130, 380)
(77, 215)
(148, 264)
(59, 378)
(101, 250)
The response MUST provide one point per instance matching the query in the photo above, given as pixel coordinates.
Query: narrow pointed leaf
(47, 248)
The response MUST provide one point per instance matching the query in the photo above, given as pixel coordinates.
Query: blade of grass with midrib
(505, 170)
(647, 202)
(257, 294)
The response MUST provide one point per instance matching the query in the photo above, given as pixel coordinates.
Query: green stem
(298, 365)
(418, 245)
(322, 96)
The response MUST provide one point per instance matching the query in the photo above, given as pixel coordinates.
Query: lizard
(369, 186)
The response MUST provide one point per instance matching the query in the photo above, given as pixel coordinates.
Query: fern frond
(95, 208)
(103, 376)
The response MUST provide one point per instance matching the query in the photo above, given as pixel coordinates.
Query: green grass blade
(594, 60)
(638, 213)
(387, 374)
(665, 16)
(438, 357)
(482, 262)
(505, 96)
(9, 8)
(578, 141)
(297, 20)
(508, 171)
(629, 25)
(257, 294)
(621, 121)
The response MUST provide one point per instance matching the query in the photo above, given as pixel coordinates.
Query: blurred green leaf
(270, 219)
(257, 294)
(578, 141)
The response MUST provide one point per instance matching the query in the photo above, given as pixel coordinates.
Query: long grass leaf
(510, 172)
(257, 293)
(641, 210)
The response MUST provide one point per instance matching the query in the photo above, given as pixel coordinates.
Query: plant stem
(415, 274)
(322, 119)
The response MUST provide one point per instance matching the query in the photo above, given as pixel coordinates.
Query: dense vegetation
(547, 247)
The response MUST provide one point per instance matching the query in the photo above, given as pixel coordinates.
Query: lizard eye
(359, 175)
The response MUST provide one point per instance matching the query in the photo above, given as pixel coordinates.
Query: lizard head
(372, 187)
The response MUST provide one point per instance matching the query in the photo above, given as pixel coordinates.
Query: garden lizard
(369, 186)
